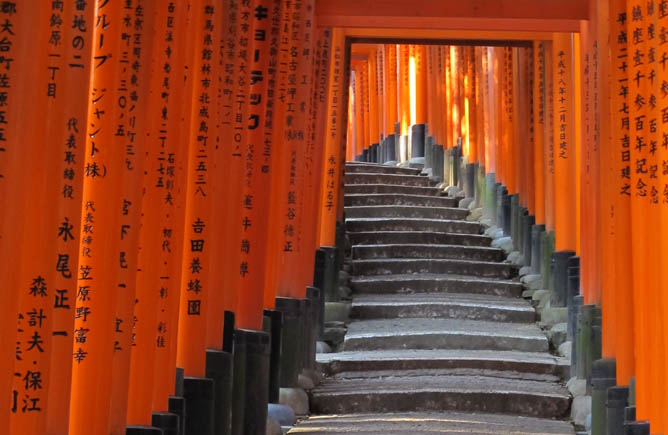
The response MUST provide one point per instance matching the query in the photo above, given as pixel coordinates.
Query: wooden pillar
(390, 88)
(32, 305)
(196, 264)
(538, 105)
(331, 184)
(616, 200)
(102, 207)
(157, 280)
(565, 152)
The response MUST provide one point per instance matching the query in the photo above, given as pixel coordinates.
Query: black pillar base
(618, 400)
(417, 140)
(252, 388)
(536, 251)
(168, 422)
(177, 406)
(559, 277)
(274, 329)
(310, 321)
(143, 430)
(219, 367)
(603, 376)
(292, 340)
(528, 222)
(636, 428)
(199, 395)
(325, 275)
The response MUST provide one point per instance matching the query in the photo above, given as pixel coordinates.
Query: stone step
(441, 393)
(389, 199)
(443, 334)
(379, 169)
(442, 305)
(454, 252)
(406, 211)
(417, 237)
(443, 359)
(404, 266)
(412, 224)
(426, 283)
(430, 422)
(395, 179)
(390, 188)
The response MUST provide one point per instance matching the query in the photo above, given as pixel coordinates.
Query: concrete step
(403, 266)
(444, 334)
(395, 179)
(390, 188)
(411, 283)
(352, 167)
(399, 199)
(441, 393)
(454, 252)
(444, 306)
(430, 422)
(443, 359)
(406, 211)
(412, 224)
(417, 237)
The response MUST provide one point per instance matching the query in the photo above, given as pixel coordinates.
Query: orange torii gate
(172, 190)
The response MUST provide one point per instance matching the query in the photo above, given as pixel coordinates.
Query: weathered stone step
(453, 252)
(441, 393)
(412, 224)
(442, 305)
(430, 422)
(394, 179)
(399, 199)
(401, 266)
(352, 167)
(390, 188)
(417, 237)
(406, 211)
(412, 283)
(443, 334)
(412, 359)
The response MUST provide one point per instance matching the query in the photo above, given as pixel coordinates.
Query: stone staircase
(440, 338)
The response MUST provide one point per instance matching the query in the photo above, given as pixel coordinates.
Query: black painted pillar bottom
(168, 422)
(199, 395)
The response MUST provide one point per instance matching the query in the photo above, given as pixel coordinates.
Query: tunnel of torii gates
(171, 178)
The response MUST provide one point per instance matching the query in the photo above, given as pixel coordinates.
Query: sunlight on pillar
(454, 70)
(413, 89)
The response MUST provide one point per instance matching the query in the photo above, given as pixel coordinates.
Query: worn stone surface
(391, 188)
(356, 167)
(557, 334)
(443, 305)
(357, 225)
(273, 427)
(398, 199)
(322, 347)
(427, 283)
(432, 422)
(337, 311)
(580, 410)
(424, 333)
(295, 398)
(305, 383)
(480, 253)
(445, 393)
(417, 237)
(405, 211)
(375, 178)
(282, 414)
(553, 315)
(399, 266)
(415, 359)
(565, 350)
(439, 326)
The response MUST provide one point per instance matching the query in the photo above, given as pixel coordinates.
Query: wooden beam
(432, 36)
(439, 9)
(452, 23)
